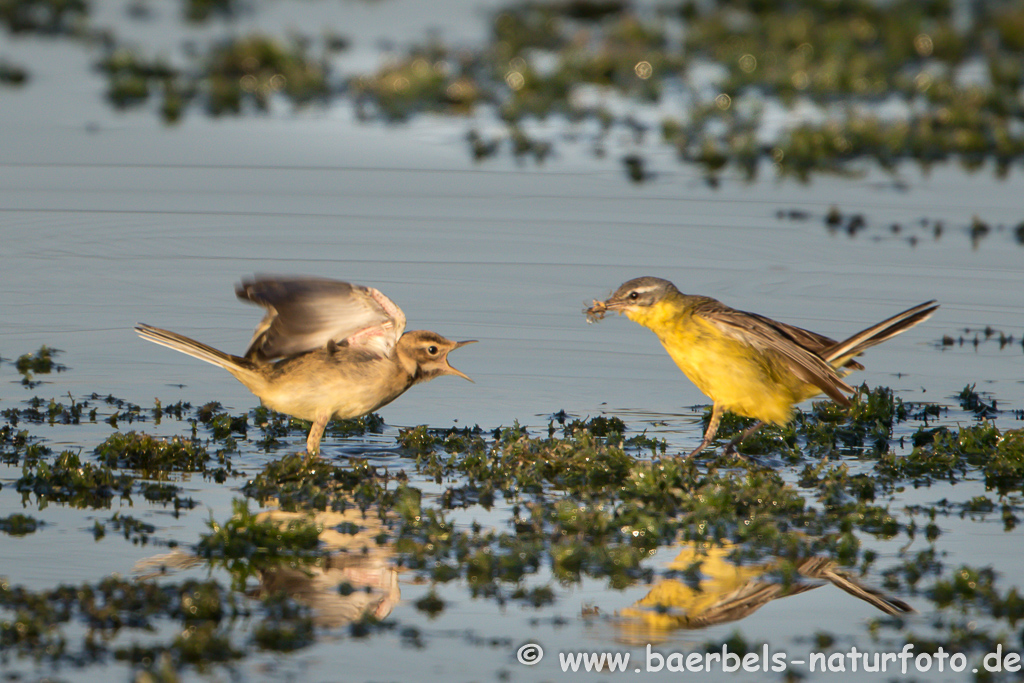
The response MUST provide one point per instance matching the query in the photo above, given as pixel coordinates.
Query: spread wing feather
(304, 314)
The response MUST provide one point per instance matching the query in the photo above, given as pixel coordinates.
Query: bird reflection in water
(356, 579)
(729, 592)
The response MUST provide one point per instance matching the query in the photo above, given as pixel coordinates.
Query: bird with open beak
(325, 349)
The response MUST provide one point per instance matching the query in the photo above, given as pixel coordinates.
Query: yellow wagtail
(744, 362)
(324, 349)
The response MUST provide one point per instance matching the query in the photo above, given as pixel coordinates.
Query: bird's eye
(633, 296)
(432, 350)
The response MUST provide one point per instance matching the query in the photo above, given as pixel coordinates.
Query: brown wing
(782, 341)
(305, 313)
(818, 344)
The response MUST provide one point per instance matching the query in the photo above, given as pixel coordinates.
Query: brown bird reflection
(356, 579)
(356, 563)
(729, 592)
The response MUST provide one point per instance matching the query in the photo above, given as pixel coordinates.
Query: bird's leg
(315, 433)
(731, 446)
(709, 435)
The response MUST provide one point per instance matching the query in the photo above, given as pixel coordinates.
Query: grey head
(425, 355)
(641, 291)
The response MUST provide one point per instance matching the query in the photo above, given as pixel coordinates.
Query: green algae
(981, 336)
(250, 70)
(542, 58)
(204, 610)
(945, 454)
(424, 81)
(39, 363)
(583, 498)
(43, 16)
(19, 525)
(297, 482)
(12, 74)
(845, 57)
(200, 11)
(70, 481)
(148, 454)
(237, 74)
(286, 626)
(247, 544)
(133, 529)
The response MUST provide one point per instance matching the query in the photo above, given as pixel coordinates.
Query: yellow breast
(733, 374)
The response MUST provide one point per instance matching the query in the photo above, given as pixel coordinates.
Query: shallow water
(107, 220)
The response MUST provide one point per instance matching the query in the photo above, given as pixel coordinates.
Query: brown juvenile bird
(324, 349)
(744, 362)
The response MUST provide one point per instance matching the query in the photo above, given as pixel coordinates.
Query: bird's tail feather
(843, 351)
(191, 347)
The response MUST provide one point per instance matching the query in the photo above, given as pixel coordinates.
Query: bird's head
(427, 354)
(634, 298)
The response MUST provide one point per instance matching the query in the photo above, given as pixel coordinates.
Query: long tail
(843, 351)
(179, 342)
(823, 568)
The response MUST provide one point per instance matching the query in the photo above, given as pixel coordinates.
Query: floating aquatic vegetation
(70, 481)
(854, 224)
(133, 529)
(609, 62)
(248, 543)
(19, 525)
(40, 363)
(148, 454)
(19, 447)
(131, 78)
(176, 410)
(288, 625)
(12, 74)
(432, 79)
(204, 610)
(975, 338)
(252, 69)
(236, 74)
(160, 492)
(971, 615)
(298, 482)
(275, 427)
(845, 58)
(43, 16)
(582, 498)
(202, 10)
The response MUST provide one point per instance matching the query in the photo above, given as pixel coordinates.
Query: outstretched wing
(306, 313)
(783, 341)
